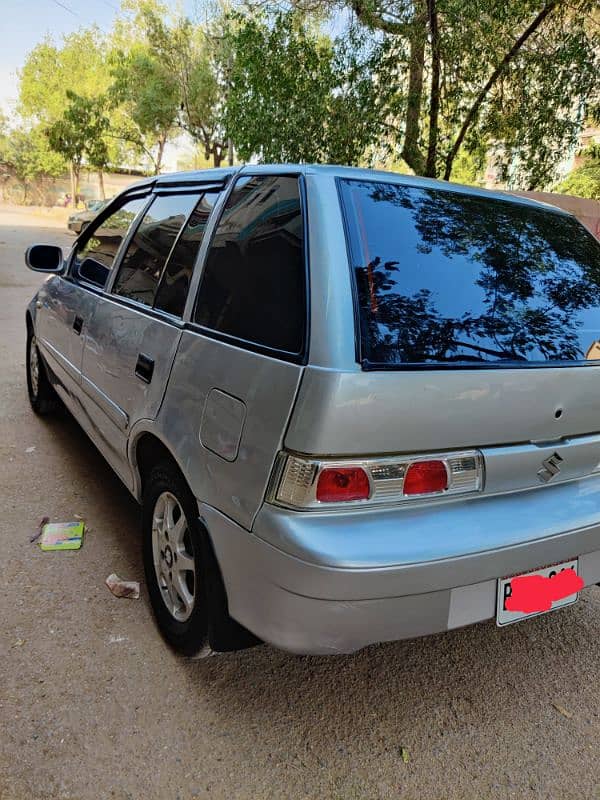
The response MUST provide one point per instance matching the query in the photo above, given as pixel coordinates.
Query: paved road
(93, 705)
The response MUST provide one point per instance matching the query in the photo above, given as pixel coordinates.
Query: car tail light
(301, 482)
(426, 477)
(340, 484)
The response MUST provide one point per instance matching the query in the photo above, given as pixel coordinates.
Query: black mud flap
(224, 633)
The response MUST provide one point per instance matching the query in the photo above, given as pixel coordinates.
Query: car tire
(42, 397)
(174, 561)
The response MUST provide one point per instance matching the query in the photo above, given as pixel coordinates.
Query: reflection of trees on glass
(120, 220)
(104, 242)
(150, 246)
(450, 277)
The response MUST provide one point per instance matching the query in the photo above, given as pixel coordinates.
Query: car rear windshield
(453, 279)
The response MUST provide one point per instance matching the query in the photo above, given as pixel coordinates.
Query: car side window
(253, 286)
(148, 250)
(99, 248)
(175, 281)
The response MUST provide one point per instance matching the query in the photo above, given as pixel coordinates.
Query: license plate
(534, 597)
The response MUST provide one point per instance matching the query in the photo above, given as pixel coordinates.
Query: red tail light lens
(425, 477)
(337, 484)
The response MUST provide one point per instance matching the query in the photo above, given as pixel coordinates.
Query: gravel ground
(93, 705)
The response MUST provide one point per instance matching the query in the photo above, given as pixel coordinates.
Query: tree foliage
(25, 154)
(80, 133)
(144, 96)
(585, 180)
(63, 91)
(28, 152)
(296, 95)
(516, 75)
(195, 58)
(433, 84)
(79, 65)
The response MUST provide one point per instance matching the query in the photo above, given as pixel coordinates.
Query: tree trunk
(474, 110)
(74, 174)
(230, 152)
(217, 156)
(101, 182)
(434, 95)
(159, 158)
(411, 152)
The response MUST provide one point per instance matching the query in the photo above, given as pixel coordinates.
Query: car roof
(221, 174)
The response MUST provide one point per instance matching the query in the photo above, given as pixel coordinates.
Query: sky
(25, 24)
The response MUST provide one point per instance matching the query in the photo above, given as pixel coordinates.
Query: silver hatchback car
(355, 406)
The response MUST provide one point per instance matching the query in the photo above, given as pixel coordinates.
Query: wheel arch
(146, 449)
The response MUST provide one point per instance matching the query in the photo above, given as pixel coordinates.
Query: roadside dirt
(93, 705)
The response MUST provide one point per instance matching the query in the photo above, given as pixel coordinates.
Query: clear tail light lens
(301, 482)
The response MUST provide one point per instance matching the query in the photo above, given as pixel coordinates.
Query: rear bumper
(288, 584)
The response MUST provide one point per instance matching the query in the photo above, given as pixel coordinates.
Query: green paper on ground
(62, 536)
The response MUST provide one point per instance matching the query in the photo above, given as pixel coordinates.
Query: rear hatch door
(477, 325)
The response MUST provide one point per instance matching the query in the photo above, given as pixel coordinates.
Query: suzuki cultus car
(355, 406)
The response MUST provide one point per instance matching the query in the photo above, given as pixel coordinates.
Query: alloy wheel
(34, 367)
(173, 557)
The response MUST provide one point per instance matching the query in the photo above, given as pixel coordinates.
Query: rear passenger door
(136, 327)
(240, 358)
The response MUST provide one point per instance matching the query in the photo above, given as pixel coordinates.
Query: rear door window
(175, 281)
(149, 249)
(253, 286)
(448, 278)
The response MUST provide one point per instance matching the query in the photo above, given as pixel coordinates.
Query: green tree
(26, 154)
(296, 95)
(4, 133)
(80, 133)
(518, 75)
(469, 165)
(585, 180)
(3, 125)
(63, 90)
(196, 60)
(145, 94)
(79, 65)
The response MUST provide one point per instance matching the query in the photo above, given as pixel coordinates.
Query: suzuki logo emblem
(550, 468)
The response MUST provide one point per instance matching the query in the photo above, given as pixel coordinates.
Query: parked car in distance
(79, 221)
(355, 406)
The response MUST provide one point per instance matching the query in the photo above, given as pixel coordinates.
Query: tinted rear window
(454, 279)
(253, 285)
(175, 281)
(143, 263)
